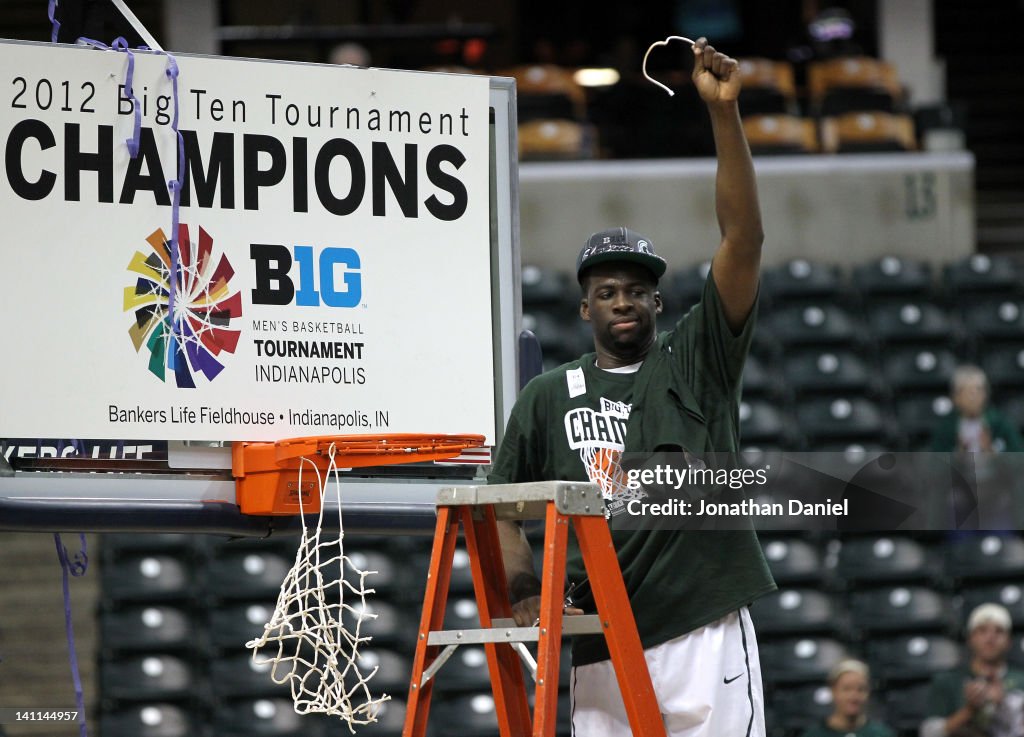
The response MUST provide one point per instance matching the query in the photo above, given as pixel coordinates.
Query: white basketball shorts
(708, 684)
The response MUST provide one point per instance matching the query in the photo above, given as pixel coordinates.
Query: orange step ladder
(476, 509)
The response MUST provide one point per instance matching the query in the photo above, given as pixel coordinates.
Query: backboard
(346, 262)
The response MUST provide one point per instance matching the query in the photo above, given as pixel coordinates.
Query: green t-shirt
(686, 395)
(946, 693)
(870, 729)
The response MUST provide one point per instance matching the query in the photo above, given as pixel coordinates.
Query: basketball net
(604, 468)
(312, 640)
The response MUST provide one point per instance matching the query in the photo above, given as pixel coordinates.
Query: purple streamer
(120, 44)
(75, 567)
(174, 185)
(51, 12)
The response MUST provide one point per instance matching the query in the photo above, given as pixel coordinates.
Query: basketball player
(641, 391)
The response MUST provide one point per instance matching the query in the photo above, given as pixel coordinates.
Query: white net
(312, 641)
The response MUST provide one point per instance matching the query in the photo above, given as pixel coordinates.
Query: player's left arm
(737, 262)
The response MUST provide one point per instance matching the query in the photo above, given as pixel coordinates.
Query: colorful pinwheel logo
(183, 307)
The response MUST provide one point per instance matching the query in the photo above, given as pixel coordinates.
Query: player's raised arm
(737, 262)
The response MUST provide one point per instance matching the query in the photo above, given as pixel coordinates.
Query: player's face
(850, 694)
(621, 304)
(989, 642)
(970, 397)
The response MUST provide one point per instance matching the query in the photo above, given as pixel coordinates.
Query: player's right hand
(527, 612)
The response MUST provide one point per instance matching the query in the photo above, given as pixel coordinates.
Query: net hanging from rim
(313, 639)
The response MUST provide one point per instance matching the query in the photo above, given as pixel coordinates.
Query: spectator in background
(850, 683)
(974, 427)
(985, 697)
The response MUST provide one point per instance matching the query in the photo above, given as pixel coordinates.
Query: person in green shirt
(850, 682)
(645, 392)
(985, 697)
(975, 426)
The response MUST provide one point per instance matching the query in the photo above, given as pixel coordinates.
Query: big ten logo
(330, 278)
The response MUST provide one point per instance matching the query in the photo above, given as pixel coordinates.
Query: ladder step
(505, 630)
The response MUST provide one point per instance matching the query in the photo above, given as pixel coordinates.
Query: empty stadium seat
(247, 574)
(466, 670)
(148, 577)
(982, 275)
(468, 715)
(757, 380)
(894, 276)
(153, 628)
(853, 83)
(547, 139)
(461, 613)
(800, 707)
(265, 717)
(390, 717)
(900, 608)
(830, 419)
(801, 660)
(801, 280)
(763, 422)
(148, 720)
(150, 677)
(768, 87)
(382, 621)
(904, 321)
(792, 561)
(547, 91)
(556, 331)
(799, 611)
(906, 707)
(830, 370)
(545, 286)
(885, 558)
(983, 555)
(235, 674)
(817, 324)
(778, 134)
(912, 657)
(1004, 366)
(919, 369)
(864, 132)
(994, 320)
(392, 668)
(918, 416)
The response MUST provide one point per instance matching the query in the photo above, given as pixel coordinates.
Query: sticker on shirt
(577, 384)
(599, 436)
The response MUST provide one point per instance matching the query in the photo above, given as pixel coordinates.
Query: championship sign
(319, 263)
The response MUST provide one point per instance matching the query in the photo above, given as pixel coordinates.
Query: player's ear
(658, 304)
(585, 309)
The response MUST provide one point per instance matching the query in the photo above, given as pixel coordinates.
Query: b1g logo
(184, 307)
(331, 278)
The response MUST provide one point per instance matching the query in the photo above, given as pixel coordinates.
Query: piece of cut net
(312, 641)
(604, 468)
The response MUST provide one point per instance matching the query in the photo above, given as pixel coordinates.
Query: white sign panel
(331, 271)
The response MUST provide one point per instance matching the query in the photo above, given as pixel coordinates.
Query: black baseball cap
(619, 244)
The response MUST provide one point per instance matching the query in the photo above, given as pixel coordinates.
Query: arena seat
(466, 670)
(900, 608)
(1008, 593)
(908, 321)
(984, 555)
(851, 84)
(385, 622)
(801, 280)
(682, 289)
(544, 286)
(148, 577)
(824, 419)
(546, 91)
(547, 139)
(265, 717)
(559, 338)
(231, 625)
(894, 277)
(390, 720)
(247, 574)
(992, 320)
(800, 660)
(1004, 366)
(768, 87)
(792, 561)
(982, 275)
(906, 707)
(876, 559)
(763, 422)
(466, 715)
(921, 370)
(912, 657)
(758, 381)
(918, 416)
(234, 674)
(820, 324)
(863, 132)
(393, 668)
(147, 720)
(147, 677)
(779, 134)
(800, 707)
(830, 370)
(150, 628)
(797, 611)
